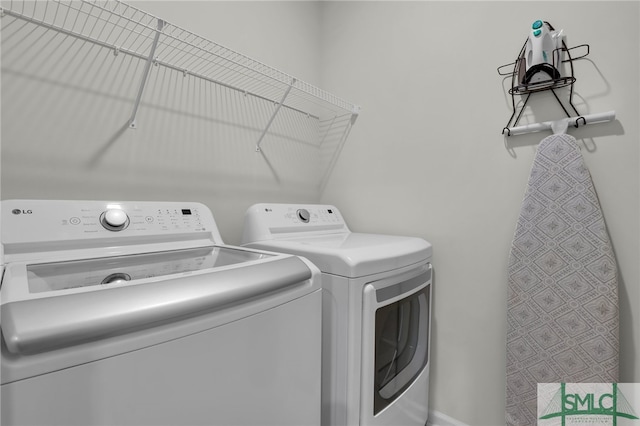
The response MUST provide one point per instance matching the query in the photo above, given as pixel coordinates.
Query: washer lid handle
(39, 325)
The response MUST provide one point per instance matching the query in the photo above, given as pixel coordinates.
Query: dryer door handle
(44, 324)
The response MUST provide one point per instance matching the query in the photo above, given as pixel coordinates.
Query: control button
(537, 25)
(148, 219)
(303, 215)
(114, 220)
(537, 33)
(74, 221)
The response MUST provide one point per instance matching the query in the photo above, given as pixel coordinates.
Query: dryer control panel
(273, 221)
(69, 223)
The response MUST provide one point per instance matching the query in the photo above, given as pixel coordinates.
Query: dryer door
(395, 351)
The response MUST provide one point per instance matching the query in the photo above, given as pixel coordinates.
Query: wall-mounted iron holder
(520, 87)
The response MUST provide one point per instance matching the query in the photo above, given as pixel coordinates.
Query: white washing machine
(135, 313)
(376, 311)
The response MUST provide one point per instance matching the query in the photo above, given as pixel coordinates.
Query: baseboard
(437, 418)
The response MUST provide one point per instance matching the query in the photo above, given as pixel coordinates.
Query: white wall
(427, 158)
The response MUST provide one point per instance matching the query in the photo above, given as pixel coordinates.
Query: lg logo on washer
(18, 211)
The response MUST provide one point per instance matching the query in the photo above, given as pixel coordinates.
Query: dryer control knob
(303, 215)
(114, 219)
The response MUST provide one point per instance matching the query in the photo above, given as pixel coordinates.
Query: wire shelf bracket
(275, 113)
(145, 74)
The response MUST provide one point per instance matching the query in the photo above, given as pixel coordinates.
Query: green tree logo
(565, 404)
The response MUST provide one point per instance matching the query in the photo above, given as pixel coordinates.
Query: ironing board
(562, 308)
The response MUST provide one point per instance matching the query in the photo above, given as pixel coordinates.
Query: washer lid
(38, 315)
(353, 254)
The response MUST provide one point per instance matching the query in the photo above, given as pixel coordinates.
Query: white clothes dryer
(135, 313)
(376, 311)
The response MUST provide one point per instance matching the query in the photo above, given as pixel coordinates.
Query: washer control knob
(114, 219)
(303, 215)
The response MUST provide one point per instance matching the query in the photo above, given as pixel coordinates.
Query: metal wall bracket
(143, 82)
(273, 116)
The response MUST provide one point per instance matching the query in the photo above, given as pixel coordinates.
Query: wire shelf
(126, 29)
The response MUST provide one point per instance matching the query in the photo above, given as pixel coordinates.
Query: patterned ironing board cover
(562, 313)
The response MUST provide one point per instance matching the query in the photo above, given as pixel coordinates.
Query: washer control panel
(271, 221)
(28, 221)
